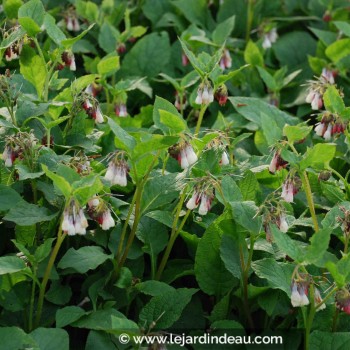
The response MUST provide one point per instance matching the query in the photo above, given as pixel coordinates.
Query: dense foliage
(174, 166)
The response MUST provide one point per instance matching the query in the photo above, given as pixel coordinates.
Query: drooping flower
(120, 110)
(203, 197)
(221, 94)
(74, 220)
(93, 89)
(226, 60)
(342, 300)
(186, 156)
(299, 293)
(69, 60)
(99, 211)
(315, 98)
(205, 94)
(224, 158)
(9, 155)
(72, 23)
(96, 114)
(179, 103)
(328, 75)
(269, 38)
(329, 126)
(121, 48)
(290, 188)
(277, 162)
(117, 172)
(318, 300)
(282, 223)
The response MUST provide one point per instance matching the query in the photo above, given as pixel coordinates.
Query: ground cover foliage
(174, 166)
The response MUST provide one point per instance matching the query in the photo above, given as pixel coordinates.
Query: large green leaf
(8, 198)
(11, 264)
(51, 338)
(318, 156)
(211, 273)
(83, 259)
(165, 309)
(320, 340)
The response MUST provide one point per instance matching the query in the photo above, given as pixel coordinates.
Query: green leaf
(268, 79)
(58, 293)
(244, 213)
(252, 55)
(340, 271)
(30, 26)
(31, 16)
(43, 251)
(107, 37)
(108, 65)
(51, 338)
(296, 133)
(318, 245)
(223, 30)
(124, 140)
(320, 340)
(318, 156)
(156, 47)
(52, 30)
(166, 309)
(338, 50)
(68, 43)
(230, 190)
(287, 245)
(249, 187)
(16, 338)
(26, 214)
(155, 143)
(60, 182)
(11, 264)
(278, 275)
(211, 273)
(333, 101)
(9, 198)
(174, 122)
(196, 64)
(124, 279)
(83, 259)
(68, 315)
(153, 288)
(82, 82)
(24, 172)
(344, 27)
(33, 69)
(86, 188)
(11, 8)
(248, 107)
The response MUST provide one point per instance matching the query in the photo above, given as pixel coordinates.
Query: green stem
(200, 118)
(250, 16)
(335, 320)
(170, 245)
(310, 317)
(48, 137)
(31, 308)
(60, 238)
(310, 201)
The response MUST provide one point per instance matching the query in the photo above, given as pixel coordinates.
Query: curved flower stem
(60, 238)
(174, 233)
(200, 118)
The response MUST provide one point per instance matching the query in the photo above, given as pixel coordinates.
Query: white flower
(198, 100)
(298, 296)
(295, 297)
(69, 24)
(273, 163)
(8, 156)
(328, 75)
(318, 300)
(74, 221)
(72, 65)
(93, 202)
(205, 205)
(287, 192)
(269, 38)
(193, 201)
(98, 115)
(319, 128)
(283, 224)
(328, 134)
(317, 101)
(191, 155)
(107, 220)
(310, 96)
(117, 173)
(224, 158)
(76, 25)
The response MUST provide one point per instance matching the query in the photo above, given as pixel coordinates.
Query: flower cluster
(91, 107)
(184, 153)
(290, 188)
(71, 20)
(219, 144)
(269, 38)
(120, 109)
(74, 220)
(117, 170)
(98, 211)
(330, 125)
(277, 162)
(205, 93)
(202, 194)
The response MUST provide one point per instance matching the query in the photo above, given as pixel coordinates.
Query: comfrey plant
(164, 167)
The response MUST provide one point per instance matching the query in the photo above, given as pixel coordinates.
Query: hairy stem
(310, 201)
(200, 118)
(250, 16)
(60, 238)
